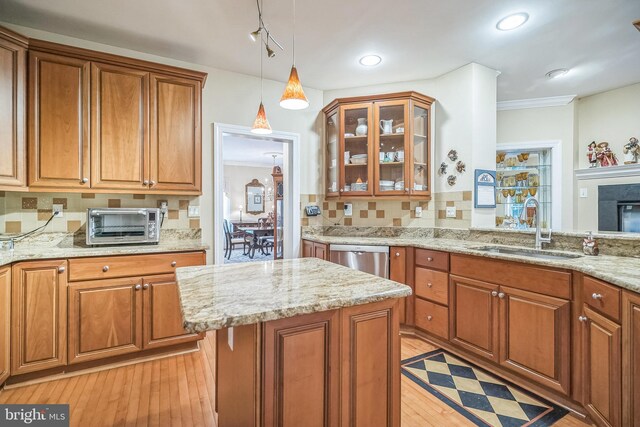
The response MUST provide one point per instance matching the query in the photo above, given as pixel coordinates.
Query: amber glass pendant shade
(261, 124)
(293, 97)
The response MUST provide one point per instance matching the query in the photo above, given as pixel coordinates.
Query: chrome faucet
(539, 239)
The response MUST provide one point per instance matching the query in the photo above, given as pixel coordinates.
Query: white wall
(545, 124)
(235, 179)
(612, 116)
(230, 98)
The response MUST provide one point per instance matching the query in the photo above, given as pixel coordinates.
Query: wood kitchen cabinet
(119, 127)
(602, 372)
(162, 321)
(630, 359)
(315, 250)
(398, 273)
(379, 146)
(5, 323)
(474, 316)
(105, 318)
(38, 315)
(13, 75)
(58, 121)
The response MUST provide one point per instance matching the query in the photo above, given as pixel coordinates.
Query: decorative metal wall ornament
(453, 155)
(451, 180)
(443, 168)
(460, 166)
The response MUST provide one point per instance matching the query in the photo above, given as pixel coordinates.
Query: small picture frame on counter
(485, 188)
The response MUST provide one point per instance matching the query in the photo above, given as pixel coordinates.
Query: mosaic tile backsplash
(21, 212)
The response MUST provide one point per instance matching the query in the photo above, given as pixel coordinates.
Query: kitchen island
(300, 342)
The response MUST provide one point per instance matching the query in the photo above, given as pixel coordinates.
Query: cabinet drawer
(432, 318)
(602, 297)
(432, 259)
(134, 265)
(432, 285)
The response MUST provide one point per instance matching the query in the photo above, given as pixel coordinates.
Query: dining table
(256, 242)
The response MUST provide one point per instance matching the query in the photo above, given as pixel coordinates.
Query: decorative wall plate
(443, 168)
(453, 155)
(451, 180)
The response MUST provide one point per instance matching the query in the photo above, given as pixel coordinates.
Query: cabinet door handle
(429, 318)
(494, 293)
(501, 295)
(397, 254)
(596, 296)
(152, 183)
(145, 286)
(138, 287)
(406, 189)
(429, 259)
(84, 180)
(105, 268)
(173, 263)
(61, 269)
(583, 318)
(145, 182)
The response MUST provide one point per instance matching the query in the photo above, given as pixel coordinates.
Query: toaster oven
(115, 226)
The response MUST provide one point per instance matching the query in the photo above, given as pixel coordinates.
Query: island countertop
(221, 296)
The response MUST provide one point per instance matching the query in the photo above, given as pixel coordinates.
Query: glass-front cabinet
(383, 146)
(521, 174)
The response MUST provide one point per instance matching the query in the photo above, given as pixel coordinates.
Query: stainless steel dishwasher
(370, 259)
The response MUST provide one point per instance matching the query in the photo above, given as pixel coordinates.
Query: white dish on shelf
(348, 135)
(386, 182)
(360, 156)
(358, 160)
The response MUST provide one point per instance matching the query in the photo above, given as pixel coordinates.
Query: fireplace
(619, 208)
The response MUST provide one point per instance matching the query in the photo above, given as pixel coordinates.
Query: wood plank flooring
(178, 391)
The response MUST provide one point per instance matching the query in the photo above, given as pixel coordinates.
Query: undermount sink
(533, 253)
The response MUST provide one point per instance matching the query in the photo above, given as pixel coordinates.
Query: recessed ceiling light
(512, 22)
(554, 74)
(370, 60)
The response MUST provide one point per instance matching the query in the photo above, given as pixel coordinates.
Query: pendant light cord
(294, 33)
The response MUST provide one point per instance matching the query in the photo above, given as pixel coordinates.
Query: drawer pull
(145, 286)
(429, 259)
(596, 296)
(61, 269)
(105, 268)
(138, 287)
(397, 254)
(501, 295)
(583, 318)
(429, 285)
(494, 293)
(173, 263)
(84, 180)
(429, 318)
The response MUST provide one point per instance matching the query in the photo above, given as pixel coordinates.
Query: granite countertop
(621, 271)
(41, 250)
(220, 296)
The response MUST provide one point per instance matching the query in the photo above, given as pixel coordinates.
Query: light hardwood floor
(178, 391)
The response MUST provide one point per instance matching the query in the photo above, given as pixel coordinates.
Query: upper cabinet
(379, 146)
(97, 122)
(13, 74)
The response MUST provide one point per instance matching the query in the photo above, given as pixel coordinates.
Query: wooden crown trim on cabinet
(14, 37)
(384, 97)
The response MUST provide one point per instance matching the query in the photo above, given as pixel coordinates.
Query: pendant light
(293, 97)
(261, 124)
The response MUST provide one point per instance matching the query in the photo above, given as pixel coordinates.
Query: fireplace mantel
(619, 171)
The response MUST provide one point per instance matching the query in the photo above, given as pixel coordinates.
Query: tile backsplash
(392, 213)
(21, 212)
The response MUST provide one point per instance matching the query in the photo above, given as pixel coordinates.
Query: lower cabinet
(602, 368)
(162, 315)
(474, 316)
(315, 250)
(5, 323)
(398, 273)
(631, 359)
(38, 316)
(105, 318)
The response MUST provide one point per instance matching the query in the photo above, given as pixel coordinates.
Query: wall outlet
(451, 212)
(348, 209)
(583, 193)
(57, 211)
(164, 208)
(194, 212)
(418, 211)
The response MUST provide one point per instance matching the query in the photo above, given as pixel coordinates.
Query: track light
(255, 35)
(270, 52)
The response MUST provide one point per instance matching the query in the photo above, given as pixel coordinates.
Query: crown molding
(620, 171)
(551, 101)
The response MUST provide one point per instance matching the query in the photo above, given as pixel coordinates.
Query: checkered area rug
(476, 394)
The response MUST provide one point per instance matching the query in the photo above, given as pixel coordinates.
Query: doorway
(240, 156)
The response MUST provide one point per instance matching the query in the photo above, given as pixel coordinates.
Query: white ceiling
(239, 149)
(417, 39)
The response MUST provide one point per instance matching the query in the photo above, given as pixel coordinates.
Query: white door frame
(556, 173)
(291, 175)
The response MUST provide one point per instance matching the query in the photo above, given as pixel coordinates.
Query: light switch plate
(451, 212)
(348, 209)
(418, 211)
(59, 209)
(583, 193)
(194, 212)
